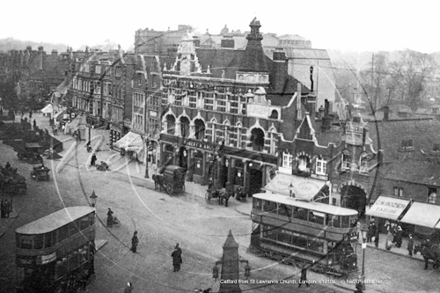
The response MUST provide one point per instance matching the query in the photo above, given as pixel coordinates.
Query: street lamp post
(364, 247)
(93, 199)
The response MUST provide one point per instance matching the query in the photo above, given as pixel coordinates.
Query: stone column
(230, 267)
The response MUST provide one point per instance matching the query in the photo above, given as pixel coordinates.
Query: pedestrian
(129, 288)
(35, 124)
(410, 245)
(110, 218)
(3, 208)
(376, 238)
(399, 235)
(389, 240)
(93, 161)
(177, 258)
(134, 242)
(303, 279)
(30, 114)
(7, 208)
(358, 287)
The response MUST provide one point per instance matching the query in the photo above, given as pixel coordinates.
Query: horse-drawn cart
(40, 173)
(11, 182)
(31, 152)
(171, 178)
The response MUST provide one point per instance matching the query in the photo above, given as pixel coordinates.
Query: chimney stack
(298, 102)
(279, 70)
(311, 79)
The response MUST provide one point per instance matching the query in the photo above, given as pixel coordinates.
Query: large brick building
(225, 111)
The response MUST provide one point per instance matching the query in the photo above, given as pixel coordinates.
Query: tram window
(26, 242)
(269, 206)
(257, 204)
(73, 228)
(345, 223)
(316, 217)
(283, 236)
(284, 210)
(300, 213)
(315, 245)
(83, 222)
(48, 239)
(38, 241)
(335, 221)
(63, 232)
(299, 240)
(91, 219)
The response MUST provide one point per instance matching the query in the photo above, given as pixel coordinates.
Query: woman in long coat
(110, 218)
(399, 236)
(177, 257)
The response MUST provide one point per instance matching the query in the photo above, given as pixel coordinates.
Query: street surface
(161, 222)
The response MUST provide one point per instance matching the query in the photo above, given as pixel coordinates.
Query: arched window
(274, 114)
(346, 159)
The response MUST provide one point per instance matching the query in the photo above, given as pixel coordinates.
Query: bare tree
(412, 70)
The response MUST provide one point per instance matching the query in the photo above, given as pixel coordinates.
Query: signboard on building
(388, 208)
(44, 259)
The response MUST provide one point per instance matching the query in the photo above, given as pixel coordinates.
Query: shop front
(423, 216)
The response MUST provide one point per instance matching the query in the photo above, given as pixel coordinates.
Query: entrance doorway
(354, 197)
(256, 177)
(183, 158)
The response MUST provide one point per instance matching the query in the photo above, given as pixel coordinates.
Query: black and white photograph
(223, 147)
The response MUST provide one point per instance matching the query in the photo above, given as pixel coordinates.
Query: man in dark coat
(134, 242)
(110, 218)
(410, 245)
(93, 161)
(376, 238)
(35, 124)
(177, 257)
(303, 278)
(399, 235)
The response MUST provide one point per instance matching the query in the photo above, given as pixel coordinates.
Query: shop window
(432, 195)
(398, 191)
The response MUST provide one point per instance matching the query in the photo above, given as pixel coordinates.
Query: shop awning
(388, 207)
(47, 109)
(303, 188)
(422, 214)
(131, 142)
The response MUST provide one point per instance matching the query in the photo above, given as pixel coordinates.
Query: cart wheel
(208, 197)
(170, 188)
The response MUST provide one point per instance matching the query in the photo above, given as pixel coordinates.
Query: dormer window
(287, 160)
(432, 195)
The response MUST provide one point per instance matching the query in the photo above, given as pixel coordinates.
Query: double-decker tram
(56, 253)
(293, 231)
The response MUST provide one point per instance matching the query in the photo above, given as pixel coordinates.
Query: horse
(158, 181)
(429, 251)
(224, 196)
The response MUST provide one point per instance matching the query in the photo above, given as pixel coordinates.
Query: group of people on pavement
(394, 235)
(6, 208)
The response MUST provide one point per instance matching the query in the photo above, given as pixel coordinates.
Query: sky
(345, 25)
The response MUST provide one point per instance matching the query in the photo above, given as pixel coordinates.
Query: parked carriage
(171, 178)
(40, 173)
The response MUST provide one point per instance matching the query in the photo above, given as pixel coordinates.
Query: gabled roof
(423, 132)
(416, 171)
(219, 60)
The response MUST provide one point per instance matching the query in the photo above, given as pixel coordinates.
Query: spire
(254, 58)
(230, 241)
